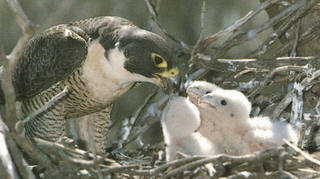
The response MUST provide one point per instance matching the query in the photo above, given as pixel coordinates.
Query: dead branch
(9, 63)
(222, 158)
(7, 167)
(154, 17)
(238, 24)
(277, 64)
(242, 37)
(139, 130)
(203, 44)
(134, 120)
(289, 96)
(200, 40)
(158, 170)
(280, 32)
(304, 154)
(8, 89)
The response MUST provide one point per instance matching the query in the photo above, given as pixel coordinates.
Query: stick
(304, 154)
(9, 63)
(239, 23)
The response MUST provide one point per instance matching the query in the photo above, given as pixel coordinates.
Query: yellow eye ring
(159, 61)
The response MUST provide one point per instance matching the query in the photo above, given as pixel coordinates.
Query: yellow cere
(174, 72)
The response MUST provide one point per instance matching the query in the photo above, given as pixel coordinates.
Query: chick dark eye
(223, 102)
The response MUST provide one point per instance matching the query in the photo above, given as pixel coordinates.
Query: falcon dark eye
(158, 61)
(207, 92)
(223, 102)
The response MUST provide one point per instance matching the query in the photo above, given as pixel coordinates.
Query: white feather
(238, 134)
(107, 79)
(197, 89)
(179, 121)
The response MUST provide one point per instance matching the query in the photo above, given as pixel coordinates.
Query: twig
(239, 23)
(297, 105)
(288, 68)
(119, 169)
(125, 140)
(222, 158)
(21, 18)
(283, 29)
(248, 70)
(199, 41)
(81, 153)
(64, 157)
(288, 98)
(3, 57)
(159, 106)
(28, 30)
(161, 168)
(198, 74)
(8, 89)
(242, 37)
(302, 135)
(282, 105)
(307, 81)
(233, 65)
(304, 154)
(312, 122)
(7, 167)
(154, 18)
(295, 45)
(10, 62)
(18, 158)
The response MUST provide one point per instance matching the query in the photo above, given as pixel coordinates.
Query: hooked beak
(206, 101)
(164, 78)
(193, 93)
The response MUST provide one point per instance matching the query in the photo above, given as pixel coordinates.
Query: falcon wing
(53, 55)
(49, 58)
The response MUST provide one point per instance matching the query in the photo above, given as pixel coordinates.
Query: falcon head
(148, 54)
(226, 105)
(141, 55)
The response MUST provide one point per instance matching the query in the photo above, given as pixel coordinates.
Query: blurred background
(180, 17)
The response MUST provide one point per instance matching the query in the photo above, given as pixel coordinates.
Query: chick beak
(206, 100)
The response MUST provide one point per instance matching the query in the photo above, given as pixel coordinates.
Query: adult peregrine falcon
(97, 59)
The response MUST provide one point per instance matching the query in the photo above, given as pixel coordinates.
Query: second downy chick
(225, 121)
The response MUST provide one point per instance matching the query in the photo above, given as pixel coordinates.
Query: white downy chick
(225, 121)
(179, 121)
(199, 88)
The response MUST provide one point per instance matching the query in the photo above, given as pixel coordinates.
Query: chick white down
(179, 122)
(225, 121)
(197, 89)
